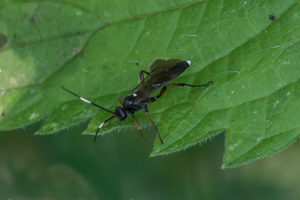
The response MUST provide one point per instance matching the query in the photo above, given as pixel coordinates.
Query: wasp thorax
(129, 100)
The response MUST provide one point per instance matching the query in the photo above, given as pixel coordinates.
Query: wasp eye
(120, 113)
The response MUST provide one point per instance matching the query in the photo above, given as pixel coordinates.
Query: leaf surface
(97, 49)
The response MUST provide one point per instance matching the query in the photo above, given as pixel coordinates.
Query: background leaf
(97, 49)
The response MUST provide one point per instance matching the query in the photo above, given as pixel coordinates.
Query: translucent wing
(163, 70)
(156, 63)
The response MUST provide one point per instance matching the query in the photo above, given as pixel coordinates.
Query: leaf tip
(224, 166)
(152, 155)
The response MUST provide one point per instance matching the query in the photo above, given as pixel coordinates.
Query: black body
(161, 72)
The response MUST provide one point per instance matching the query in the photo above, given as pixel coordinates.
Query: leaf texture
(97, 48)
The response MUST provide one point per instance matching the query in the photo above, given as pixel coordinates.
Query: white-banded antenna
(85, 100)
(101, 125)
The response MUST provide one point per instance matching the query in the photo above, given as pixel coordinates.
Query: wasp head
(120, 113)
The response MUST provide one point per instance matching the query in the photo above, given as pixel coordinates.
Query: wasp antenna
(101, 125)
(86, 100)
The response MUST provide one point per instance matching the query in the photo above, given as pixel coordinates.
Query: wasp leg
(153, 123)
(142, 77)
(152, 99)
(164, 89)
(121, 99)
(185, 84)
(138, 125)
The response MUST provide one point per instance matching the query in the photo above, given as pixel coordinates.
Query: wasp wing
(162, 71)
(156, 63)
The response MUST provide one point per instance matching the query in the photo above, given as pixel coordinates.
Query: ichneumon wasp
(161, 72)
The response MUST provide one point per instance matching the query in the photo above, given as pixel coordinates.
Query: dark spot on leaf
(272, 17)
(3, 40)
(31, 19)
(62, 54)
(14, 36)
(137, 64)
(105, 67)
(2, 114)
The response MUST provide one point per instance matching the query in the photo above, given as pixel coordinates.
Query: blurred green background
(72, 166)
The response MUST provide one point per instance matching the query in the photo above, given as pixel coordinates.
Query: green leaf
(97, 48)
